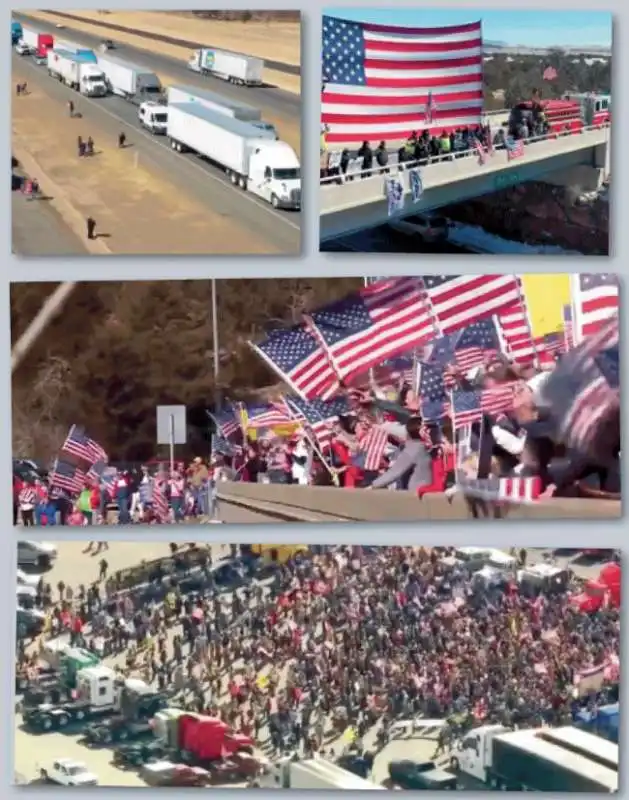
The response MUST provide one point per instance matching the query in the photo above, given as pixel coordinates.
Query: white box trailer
(77, 72)
(223, 105)
(129, 80)
(30, 36)
(252, 158)
(314, 773)
(238, 68)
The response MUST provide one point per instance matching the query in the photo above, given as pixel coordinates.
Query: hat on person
(197, 460)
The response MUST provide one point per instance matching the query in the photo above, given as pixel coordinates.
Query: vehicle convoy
(38, 43)
(77, 72)
(67, 772)
(56, 677)
(238, 68)
(311, 773)
(99, 693)
(527, 760)
(154, 117)
(252, 158)
(216, 102)
(129, 81)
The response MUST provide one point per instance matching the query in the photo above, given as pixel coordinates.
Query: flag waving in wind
(381, 82)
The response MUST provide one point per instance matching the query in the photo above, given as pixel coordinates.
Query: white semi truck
(154, 117)
(236, 68)
(223, 105)
(129, 81)
(528, 760)
(78, 73)
(252, 158)
(312, 773)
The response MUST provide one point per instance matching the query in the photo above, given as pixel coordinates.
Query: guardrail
(396, 168)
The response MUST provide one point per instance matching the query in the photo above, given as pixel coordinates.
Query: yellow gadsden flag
(546, 295)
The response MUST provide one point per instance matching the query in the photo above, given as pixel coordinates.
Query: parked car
(36, 554)
(23, 49)
(427, 227)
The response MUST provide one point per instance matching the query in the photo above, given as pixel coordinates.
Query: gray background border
(609, 534)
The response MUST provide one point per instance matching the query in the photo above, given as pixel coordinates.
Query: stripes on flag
(515, 490)
(67, 477)
(514, 328)
(382, 82)
(460, 300)
(318, 415)
(595, 298)
(160, 501)
(77, 443)
(568, 331)
(372, 446)
(515, 148)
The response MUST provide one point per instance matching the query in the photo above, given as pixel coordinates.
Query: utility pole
(215, 348)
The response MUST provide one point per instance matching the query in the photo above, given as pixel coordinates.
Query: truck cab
(474, 754)
(420, 775)
(275, 175)
(154, 117)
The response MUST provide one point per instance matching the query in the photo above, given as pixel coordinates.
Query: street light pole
(215, 347)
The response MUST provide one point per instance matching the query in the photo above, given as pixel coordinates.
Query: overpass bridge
(580, 158)
(278, 502)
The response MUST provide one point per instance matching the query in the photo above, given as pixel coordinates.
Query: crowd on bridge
(331, 640)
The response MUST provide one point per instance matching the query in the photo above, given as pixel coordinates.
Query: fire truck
(572, 113)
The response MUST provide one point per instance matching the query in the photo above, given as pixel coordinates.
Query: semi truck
(202, 738)
(99, 693)
(252, 158)
(38, 43)
(237, 68)
(16, 32)
(312, 773)
(75, 71)
(154, 117)
(77, 49)
(526, 760)
(129, 81)
(223, 105)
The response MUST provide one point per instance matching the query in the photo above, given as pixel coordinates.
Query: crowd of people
(346, 638)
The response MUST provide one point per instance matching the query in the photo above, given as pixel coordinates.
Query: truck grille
(295, 195)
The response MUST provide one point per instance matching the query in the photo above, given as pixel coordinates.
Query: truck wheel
(79, 716)
(242, 182)
(274, 201)
(62, 721)
(454, 764)
(123, 735)
(106, 737)
(45, 723)
(233, 178)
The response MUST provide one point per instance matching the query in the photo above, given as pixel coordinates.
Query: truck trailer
(77, 72)
(237, 68)
(525, 760)
(39, 43)
(16, 32)
(223, 105)
(77, 49)
(129, 81)
(312, 773)
(252, 158)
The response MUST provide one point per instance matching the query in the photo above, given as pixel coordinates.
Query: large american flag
(318, 415)
(378, 322)
(381, 82)
(515, 330)
(80, 445)
(67, 477)
(372, 446)
(267, 416)
(595, 298)
(459, 300)
(299, 360)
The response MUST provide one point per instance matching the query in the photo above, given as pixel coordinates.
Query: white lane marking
(244, 195)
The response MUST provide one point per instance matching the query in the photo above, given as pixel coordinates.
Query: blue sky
(535, 28)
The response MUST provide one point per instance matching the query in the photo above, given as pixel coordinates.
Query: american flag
(381, 82)
(567, 327)
(299, 360)
(372, 447)
(595, 298)
(515, 330)
(319, 415)
(507, 490)
(459, 300)
(497, 399)
(67, 477)
(432, 392)
(481, 151)
(267, 416)
(79, 444)
(226, 422)
(378, 322)
(475, 343)
(515, 148)
(159, 500)
(465, 408)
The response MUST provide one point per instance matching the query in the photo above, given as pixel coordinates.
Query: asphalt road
(38, 230)
(196, 177)
(271, 98)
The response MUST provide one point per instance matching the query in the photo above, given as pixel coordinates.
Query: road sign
(171, 425)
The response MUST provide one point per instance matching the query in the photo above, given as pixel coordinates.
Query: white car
(427, 227)
(23, 579)
(67, 772)
(23, 49)
(38, 554)
(25, 596)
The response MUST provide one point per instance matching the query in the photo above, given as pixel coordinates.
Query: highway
(196, 178)
(38, 230)
(273, 102)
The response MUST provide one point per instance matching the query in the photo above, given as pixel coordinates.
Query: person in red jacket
(442, 466)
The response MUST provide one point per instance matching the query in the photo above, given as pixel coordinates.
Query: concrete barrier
(59, 200)
(385, 506)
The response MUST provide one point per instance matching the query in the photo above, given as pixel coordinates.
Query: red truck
(600, 592)
(45, 42)
(210, 739)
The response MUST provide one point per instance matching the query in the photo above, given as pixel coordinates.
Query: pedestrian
(122, 139)
(90, 146)
(91, 227)
(24, 88)
(80, 145)
(71, 108)
(18, 89)
(103, 566)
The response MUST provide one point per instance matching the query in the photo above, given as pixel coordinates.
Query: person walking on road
(90, 146)
(71, 108)
(122, 139)
(91, 227)
(80, 145)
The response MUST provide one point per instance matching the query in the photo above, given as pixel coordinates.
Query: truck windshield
(287, 174)
(160, 118)
(95, 78)
(151, 90)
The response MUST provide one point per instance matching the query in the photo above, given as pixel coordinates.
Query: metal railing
(396, 168)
